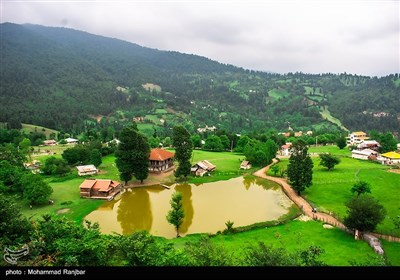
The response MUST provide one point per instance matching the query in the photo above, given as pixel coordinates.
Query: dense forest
(71, 81)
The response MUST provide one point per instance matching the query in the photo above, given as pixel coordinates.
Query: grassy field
(340, 247)
(228, 165)
(333, 149)
(392, 251)
(331, 189)
(27, 128)
(327, 115)
(275, 94)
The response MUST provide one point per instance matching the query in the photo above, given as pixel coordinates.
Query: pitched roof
(358, 133)
(103, 185)
(86, 168)
(365, 152)
(245, 163)
(392, 155)
(159, 154)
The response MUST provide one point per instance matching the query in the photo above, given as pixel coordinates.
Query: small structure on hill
(245, 164)
(285, 149)
(368, 144)
(389, 158)
(366, 154)
(70, 140)
(87, 170)
(50, 142)
(202, 167)
(100, 188)
(161, 160)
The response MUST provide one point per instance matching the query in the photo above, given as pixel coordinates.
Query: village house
(245, 165)
(70, 140)
(365, 154)
(368, 144)
(50, 142)
(100, 188)
(202, 167)
(87, 170)
(356, 138)
(285, 149)
(389, 158)
(33, 166)
(161, 160)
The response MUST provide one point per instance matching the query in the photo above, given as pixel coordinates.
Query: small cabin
(245, 165)
(202, 167)
(87, 170)
(100, 188)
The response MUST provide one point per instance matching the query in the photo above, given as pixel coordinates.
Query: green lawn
(228, 165)
(275, 94)
(327, 115)
(339, 246)
(27, 128)
(333, 149)
(392, 251)
(331, 189)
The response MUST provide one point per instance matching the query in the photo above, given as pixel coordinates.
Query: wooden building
(161, 160)
(100, 188)
(86, 170)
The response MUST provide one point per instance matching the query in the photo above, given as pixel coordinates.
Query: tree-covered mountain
(65, 79)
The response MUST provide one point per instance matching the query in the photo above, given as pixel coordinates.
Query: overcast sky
(313, 36)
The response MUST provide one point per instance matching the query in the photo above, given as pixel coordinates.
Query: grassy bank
(340, 247)
(331, 189)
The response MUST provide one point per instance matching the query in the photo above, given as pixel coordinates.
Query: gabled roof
(365, 152)
(159, 154)
(359, 133)
(392, 155)
(245, 163)
(86, 168)
(206, 165)
(102, 185)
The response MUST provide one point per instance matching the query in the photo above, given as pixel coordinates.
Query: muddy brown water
(207, 207)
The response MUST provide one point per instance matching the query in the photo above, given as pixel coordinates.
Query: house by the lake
(245, 164)
(202, 167)
(87, 170)
(161, 160)
(100, 188)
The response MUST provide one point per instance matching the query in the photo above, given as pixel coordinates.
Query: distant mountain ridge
(59, 77)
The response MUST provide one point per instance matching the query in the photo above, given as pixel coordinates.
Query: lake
(207, 207)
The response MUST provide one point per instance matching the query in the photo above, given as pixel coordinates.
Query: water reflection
(207, 207)
(186, 191)
(134, 211)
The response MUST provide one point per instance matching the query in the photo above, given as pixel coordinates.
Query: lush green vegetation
(243, 100)
(339, 246)
(332, 189)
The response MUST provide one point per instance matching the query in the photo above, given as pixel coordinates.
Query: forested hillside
(71, 80)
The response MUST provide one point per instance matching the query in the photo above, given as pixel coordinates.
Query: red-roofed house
(161, 160)
(100, 188)
(285, 149)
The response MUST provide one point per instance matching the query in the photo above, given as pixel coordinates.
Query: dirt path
(298, 200)
(306, 207)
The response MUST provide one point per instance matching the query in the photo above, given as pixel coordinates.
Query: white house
(365, 154)
(285, 149)
(70, 140)
(245, 165)
(86, 170)
(355, 138)
(390, 158)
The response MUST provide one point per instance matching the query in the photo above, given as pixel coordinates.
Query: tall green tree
(361, 187)
(176, 214)
(364, 213)
(300, 167)
(183, 145)
(36, 190)
(388, 143)
(329, 161)
(132, 154)
(95, 157)
(341, 142)
(141, 157)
